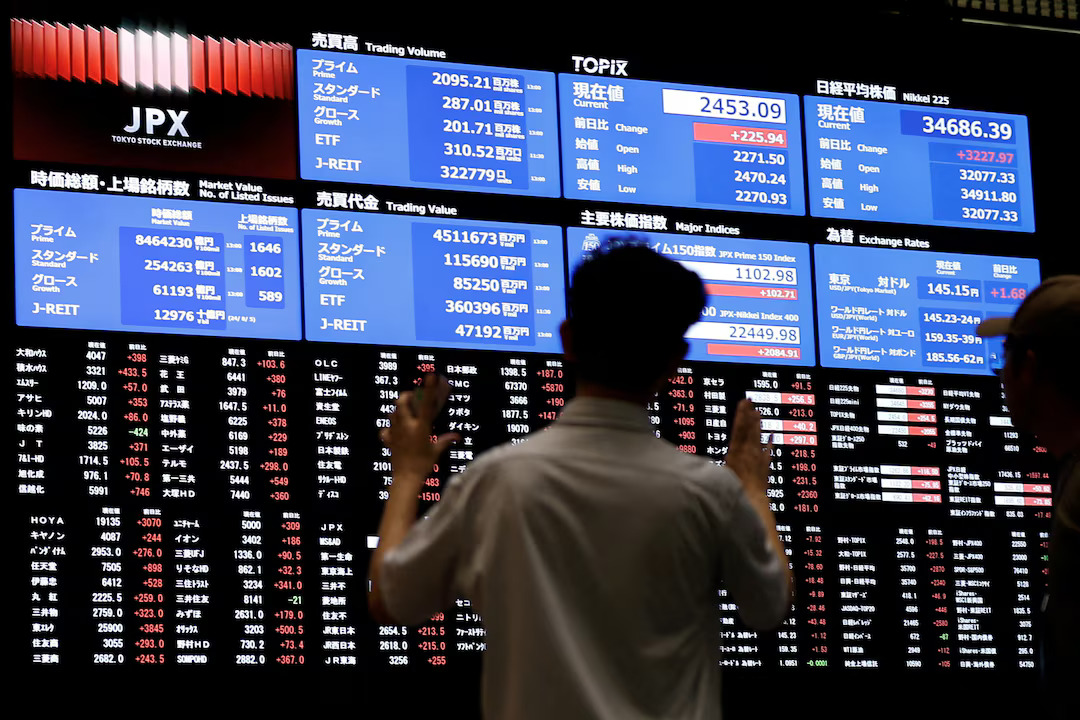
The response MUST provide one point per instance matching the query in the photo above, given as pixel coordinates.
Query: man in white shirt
(592, 551)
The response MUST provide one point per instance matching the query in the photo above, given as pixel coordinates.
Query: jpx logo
(599, 66)
(155, 118)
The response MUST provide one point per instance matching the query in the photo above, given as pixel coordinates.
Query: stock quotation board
(213, 319)
(910, 164)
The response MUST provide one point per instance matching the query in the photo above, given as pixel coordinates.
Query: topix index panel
(639, 141)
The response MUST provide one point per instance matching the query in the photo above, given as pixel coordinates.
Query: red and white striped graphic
(152, 60)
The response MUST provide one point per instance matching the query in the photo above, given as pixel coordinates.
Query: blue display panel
(390, 121)
(688, 145)
(758, 303)
(916, 164)
(156, 265)
(910, 310)
(400, 280)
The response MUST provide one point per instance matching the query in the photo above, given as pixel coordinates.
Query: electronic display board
(671, 144)
(395, 280)
(898, 310)
(426, 124)
(230, 262)
(912, 164)
(758, 304)
(157, 265)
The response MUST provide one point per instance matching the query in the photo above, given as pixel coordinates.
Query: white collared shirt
(593, 552)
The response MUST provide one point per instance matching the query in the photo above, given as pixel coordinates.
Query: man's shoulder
(549, 446)
(491, 462)
(499, 454)
(715, 484)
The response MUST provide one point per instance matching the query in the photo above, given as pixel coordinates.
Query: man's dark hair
(629, 309)
(1055, 362)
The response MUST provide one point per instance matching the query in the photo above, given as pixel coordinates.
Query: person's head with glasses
(1039, 365)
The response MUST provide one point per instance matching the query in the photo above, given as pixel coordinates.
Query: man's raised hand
(412, 450)
(746, 456)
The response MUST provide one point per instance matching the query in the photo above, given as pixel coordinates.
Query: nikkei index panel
(418, 123)
(918, 164)
(663, 143)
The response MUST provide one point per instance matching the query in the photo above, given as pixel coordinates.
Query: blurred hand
(412, 450)
(746, 456)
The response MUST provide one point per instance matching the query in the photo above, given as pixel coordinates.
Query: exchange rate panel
(156, 265)
(688, 145)
(399, 280)
(896, 309)
(758, 302)
(418, 123)
(914, 164)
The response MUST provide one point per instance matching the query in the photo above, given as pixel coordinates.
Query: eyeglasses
(998, 348)
(1001, 348)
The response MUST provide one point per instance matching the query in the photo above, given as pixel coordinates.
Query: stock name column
(185, 527)
(342, 593)
(863, 416)
(392, 641)
(982, 626)
(973, 475)
(527, 392)
(45, 527)
(467, 631)
(712, 397)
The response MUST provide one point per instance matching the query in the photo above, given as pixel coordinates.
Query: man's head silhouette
(629, 309)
